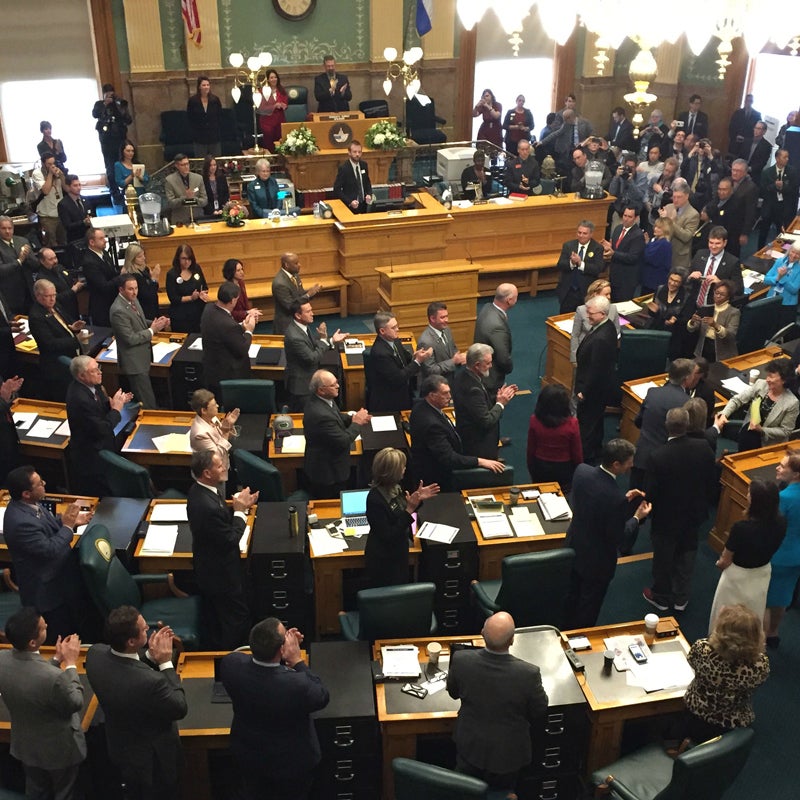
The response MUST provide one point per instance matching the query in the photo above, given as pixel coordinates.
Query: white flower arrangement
(299, 142)
(384, 135)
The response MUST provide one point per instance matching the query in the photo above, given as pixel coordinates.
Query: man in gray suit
(490, 745)
(288, 289)
(134, 336)
(141, 703)
(184, 185)
(492, 328)
(44, 702)
(446, 356)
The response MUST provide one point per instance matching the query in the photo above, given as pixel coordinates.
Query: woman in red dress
(271, 112)
(490, 128)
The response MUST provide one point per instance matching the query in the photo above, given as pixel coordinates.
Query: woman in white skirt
(745, 559)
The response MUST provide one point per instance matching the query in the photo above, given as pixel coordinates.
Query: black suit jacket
(303, 358)
(389, 376)
(225, 346)
(12, 275)
(759, 159)
(680, 482)
(268, 699)
(436, 448)
(141, 705)
(329, 434)
(624, 139)
(60, 277)
(745, 195)
(52, 338)
(477, 415)
(652, 418)
(491, 740)
(626, 263)
(339, 101)
(791, 185)
(700, 123)
(593, 265)
(73, 218)
(386, 551)
(728, 269)
(101, 278)
(346, 187)
(596, 364)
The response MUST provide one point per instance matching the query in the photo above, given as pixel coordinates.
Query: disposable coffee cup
(754, 373)
(85, 334)
(434, 651)
(513, 495)
(650, 623)
(608, 661)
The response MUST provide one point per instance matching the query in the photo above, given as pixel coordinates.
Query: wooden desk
(738, 469)
(607, 716)
(315, 172)
(328, 569)
(491, 552)
(139, 446)
(558, 368)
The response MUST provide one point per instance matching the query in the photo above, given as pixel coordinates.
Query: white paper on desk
(555, 508)
(163, 349)
(160, 540)
(354, 349)
(296, 443)
(44, 428)
(197, 344)
(323, 544)
(434, 686)
(110, 353)
(173, 443)
(2, 517)
(525, 524)
(243, 540)
(252, 351)
(169, 512)
(641, 389)
(735, 385)
(628, 307)
(775, 253)
(437, 532)
(494, 526)
(24, 419)
(501, 201)
(381, 424)
(81, 529)
(400, 661)
(623, 660)
(565, 325)
(63, 429)
(750, 277)
(667, 671)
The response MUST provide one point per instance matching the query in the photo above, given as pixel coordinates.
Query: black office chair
(421, 122)
(480, 478)
(533, 588)
(415, 780)
(373, 109)
(642, 353)
(760, 321)
(297, 107)
(176, 134)
(391, 612)
(705, 771)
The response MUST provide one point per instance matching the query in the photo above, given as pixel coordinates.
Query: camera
(626, 170)
(596, 140)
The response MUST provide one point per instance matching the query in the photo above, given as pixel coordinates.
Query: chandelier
(405, 70)
(254, 76)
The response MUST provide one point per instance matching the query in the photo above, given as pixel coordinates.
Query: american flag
(192, 20)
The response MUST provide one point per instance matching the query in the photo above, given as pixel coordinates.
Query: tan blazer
(206, 436)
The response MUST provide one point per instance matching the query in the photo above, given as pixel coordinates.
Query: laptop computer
(354, 507)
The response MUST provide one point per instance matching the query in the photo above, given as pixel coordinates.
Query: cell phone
(415, 690)
(638, 655)
(680, 123)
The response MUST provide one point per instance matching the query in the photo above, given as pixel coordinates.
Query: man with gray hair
(685, 222)
(745, 199)
(595, 375)
(181, 185)
(580, 262)
(477, 413)
(16, 256)
(491, 327)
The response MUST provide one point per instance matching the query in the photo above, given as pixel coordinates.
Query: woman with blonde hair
(146, 278)
(580, 324)
(389, 511)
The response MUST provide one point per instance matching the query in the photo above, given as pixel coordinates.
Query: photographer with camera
(113, 117)
(48, 183)
(702, 172)
(629, 187)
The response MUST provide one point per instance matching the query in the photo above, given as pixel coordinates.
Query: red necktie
(701, 298)
(620, 237)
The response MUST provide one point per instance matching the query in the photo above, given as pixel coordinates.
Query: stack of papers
(44, 428)
(400, 661)
(296, 443)
(555, 508)
(437, 532)
(525, 523)
(668, 671)
(641, 389)
(628, 307)
(565, 325)
(382, 424)
(323, 544)
(173, 443)
(24, 419)
(169, 512)
(162, 349)
(494, 525)
(160, 540)
(735, 385)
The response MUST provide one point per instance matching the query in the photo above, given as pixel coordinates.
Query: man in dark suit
(477, 413)
(391, 368)
(756, 150)
(352, 185)
(701, 170)
(141, 703)
(16, 256)
(652, 414)
(603, 525)
(562, 141)
(437, 336)
(101, 277)
(273, 692)
(491, 327)
(40, 545)
(92, 416)
(620, 132)
(9, 438)
(329, 436)
(226, 342)
(780, 184)
(711, 266)
(134, 337)
(436, 447)
(56, 334)
(288, 289)
(218, 567)
(680, 485)
(742, 122)
(745, 196)
(332, 89)
(624, 252)
(723, 211)
(304, 350)
(67, 289)
(595, 375)
(580, 262)
(694, 120)
(490, 745)
(44, 703)
(72, 211)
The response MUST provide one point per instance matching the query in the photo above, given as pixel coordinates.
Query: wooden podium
(406, 289)
(318, 171)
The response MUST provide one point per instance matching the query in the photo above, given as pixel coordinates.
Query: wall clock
(294, 9)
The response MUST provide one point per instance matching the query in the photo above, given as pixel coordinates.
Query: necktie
(701, 297)
(137, 313)
(310, 337)
(61, 321)
(779, 195)
(620, 237)
(296, 281)
(574, 134)
(581, 252)
(360, 183)
(691, 122)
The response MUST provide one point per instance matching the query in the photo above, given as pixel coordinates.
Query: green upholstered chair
(126, 479)
(642, 353)
(110, 585)
(760, 321)
(415, 780)
(9, 601)
(704, 771)
(391, 612)
(533, 588)
(479, 478)
(250, 396)
(263, 477)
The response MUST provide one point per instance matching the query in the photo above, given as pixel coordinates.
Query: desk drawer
(565, 786)
(445, 563)
(340, 738)
(454, 619)
(355, 778)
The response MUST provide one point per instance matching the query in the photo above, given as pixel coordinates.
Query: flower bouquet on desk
(384, 135)
(232, 168)
(299, 142)
(234, 214)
